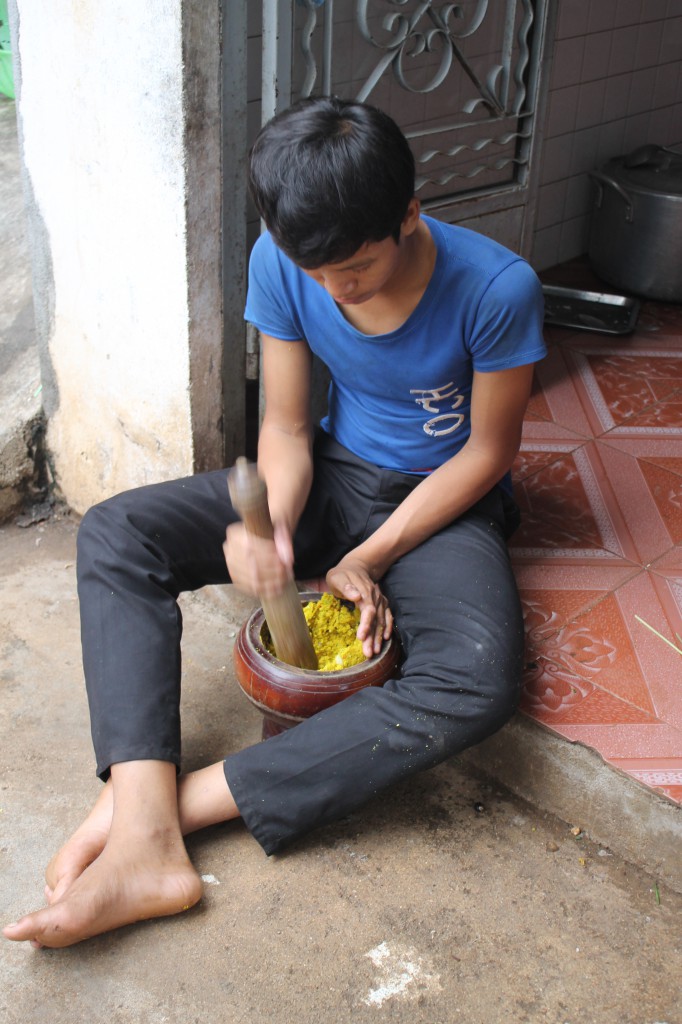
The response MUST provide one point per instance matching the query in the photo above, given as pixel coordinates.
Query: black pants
(456, 609)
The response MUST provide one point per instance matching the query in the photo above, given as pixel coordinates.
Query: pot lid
(648, 169)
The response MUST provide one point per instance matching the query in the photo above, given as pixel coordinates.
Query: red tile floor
(598, 557)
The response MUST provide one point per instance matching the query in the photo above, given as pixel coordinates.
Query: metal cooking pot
(636, 229)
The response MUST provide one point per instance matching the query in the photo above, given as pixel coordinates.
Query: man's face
(359, 278)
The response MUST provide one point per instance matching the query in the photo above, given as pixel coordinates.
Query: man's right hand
(259, 567)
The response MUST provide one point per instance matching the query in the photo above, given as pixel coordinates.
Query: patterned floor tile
(553, 596)
(670, 565)
(648, 499)
(662, 774)
(595, 502)
(594, 651)
(646, 603)
(598, 557)
(543, 442)
(663, 417)
(662, 451)
(661, 319)
(593, 388)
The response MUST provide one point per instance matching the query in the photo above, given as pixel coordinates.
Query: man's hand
(351, 581)
(259, 567)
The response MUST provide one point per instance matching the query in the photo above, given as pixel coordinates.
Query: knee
(91, 530)
(98, 521)
(464, 700)
(483, 708)
(108, 526)
(497, 685)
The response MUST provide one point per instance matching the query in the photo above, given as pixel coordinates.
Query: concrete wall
(21, 415)
(616, 83)
(124, 224)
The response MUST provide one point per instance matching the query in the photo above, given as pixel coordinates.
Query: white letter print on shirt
(432, 400)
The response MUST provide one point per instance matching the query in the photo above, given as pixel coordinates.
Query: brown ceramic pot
(286, 695)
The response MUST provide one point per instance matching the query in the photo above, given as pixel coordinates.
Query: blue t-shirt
(401, 400)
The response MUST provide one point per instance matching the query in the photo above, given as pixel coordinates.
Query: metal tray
(590, 311)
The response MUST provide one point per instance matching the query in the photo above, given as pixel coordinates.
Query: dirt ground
(445, 900)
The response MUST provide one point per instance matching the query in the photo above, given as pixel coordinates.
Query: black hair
(328, 175)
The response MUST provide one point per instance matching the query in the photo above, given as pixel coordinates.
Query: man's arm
(285, 440)
(285, 462)
(498, 404)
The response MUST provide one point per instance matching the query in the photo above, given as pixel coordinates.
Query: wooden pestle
(284, 613)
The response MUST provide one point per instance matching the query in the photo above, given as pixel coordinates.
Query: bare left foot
(107, 876)
(127, 882)
(203, 799)
(84, 846)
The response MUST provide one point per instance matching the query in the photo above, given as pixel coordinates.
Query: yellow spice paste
(333, 627)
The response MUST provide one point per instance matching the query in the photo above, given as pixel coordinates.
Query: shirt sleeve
(268, 301)
(507, 330)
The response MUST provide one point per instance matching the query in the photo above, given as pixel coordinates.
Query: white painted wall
(102, 130)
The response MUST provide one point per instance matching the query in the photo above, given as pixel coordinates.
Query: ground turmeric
(333, 627)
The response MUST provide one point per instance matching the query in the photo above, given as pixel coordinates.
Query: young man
(402, 498)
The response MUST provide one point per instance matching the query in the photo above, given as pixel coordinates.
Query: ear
(411, 218)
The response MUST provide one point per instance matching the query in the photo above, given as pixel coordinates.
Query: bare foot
(203, 799)
(129, 881)
(113, 871)
(82, 848)
(143, 870)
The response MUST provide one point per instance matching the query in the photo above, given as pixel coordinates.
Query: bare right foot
(129, 881)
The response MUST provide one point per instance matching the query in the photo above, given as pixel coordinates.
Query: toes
(19, 931)
(61, 887)
(44, 928)
(53, 893)
(40, 929)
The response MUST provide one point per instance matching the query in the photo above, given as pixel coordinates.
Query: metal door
(461, 79)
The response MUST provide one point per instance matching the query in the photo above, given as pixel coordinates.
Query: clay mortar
(286, 695)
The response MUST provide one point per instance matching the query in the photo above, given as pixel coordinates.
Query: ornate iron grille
(455, 76)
